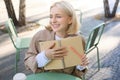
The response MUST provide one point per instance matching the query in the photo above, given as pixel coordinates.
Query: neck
(62, 35)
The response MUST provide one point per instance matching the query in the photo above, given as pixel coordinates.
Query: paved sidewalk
(109, 48)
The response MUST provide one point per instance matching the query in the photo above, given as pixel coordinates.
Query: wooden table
(51, 76)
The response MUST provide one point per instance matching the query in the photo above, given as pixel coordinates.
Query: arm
(84, 59)
(42, 60)
(30, 56)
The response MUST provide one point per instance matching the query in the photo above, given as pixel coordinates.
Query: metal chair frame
(19, 43)
(93, 40)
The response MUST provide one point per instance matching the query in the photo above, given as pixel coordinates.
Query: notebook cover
(73, 58)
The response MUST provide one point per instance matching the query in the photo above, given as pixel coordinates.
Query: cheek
(65, 23)
(49, 21)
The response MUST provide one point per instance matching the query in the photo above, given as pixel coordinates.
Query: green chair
(51, 76)
(93, 41)
(19, 43)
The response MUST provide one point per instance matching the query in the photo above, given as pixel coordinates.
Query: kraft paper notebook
(73, 58)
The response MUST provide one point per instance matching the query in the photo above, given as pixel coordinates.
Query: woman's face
(59, 20)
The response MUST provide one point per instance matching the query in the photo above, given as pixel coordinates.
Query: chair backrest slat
(12, 28)
(12, 31)
(95, 36)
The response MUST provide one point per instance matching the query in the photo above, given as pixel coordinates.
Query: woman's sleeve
(42, 60)
(30, 56)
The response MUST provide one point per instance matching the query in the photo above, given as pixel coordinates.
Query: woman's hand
(55, 53)
(84, 60)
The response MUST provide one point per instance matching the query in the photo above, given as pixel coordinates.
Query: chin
(56, 30)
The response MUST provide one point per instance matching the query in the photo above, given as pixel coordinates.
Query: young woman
(63, 23)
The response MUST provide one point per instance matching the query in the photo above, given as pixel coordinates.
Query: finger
(60, 55)
(85, 64)
(60, 51)
(51, 46)
(60, 48)
(85, 61)
(84, 57)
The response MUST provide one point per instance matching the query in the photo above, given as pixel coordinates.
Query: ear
(70, 20)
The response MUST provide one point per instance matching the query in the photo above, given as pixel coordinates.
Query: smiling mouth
(56, 26)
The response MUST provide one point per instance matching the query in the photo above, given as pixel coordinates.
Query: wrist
(47, 55)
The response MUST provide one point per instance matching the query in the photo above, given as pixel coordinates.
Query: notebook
(75, 52)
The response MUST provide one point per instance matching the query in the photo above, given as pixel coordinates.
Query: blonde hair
(69, 10)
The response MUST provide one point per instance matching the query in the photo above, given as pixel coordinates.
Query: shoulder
(72, 35)
(83, 40)
(41, 32)
(43, 35)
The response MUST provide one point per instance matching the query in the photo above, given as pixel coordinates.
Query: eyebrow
(56, 14)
